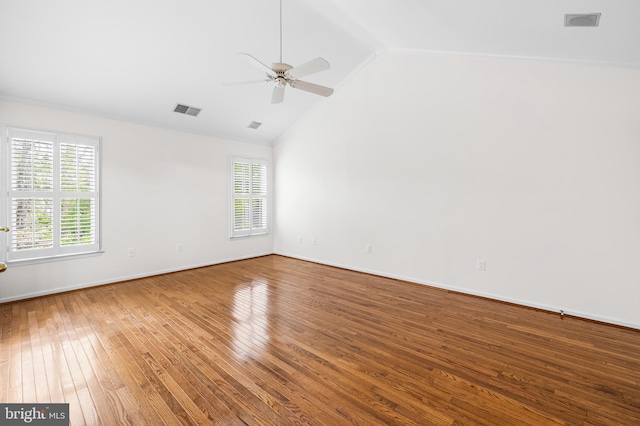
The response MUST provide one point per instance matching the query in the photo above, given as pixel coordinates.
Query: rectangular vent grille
(188, 110)
(581, 19)
(254, 125)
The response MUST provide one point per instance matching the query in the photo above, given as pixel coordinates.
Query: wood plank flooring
(278, 341)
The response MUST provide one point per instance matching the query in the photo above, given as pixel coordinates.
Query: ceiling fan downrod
(280, 31)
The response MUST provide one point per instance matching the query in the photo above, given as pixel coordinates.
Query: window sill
(242, 237)
(25, 262)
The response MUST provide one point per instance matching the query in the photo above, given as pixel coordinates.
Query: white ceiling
(136, 59)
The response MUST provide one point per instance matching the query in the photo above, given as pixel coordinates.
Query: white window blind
(52, 199)
(249, 215)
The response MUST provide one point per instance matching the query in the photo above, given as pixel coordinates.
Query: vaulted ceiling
(135, 60)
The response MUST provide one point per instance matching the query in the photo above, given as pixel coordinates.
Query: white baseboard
(127, 278)
(549, 308)
(463, 290)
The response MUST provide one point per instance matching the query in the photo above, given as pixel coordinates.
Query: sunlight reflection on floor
(250, 310)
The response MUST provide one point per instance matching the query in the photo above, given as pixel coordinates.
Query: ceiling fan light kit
(282, 74)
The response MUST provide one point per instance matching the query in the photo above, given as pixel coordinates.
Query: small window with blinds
(52, 198)
(249, 206)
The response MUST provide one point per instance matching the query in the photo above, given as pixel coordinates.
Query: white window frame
(58, 251)
(250, 196)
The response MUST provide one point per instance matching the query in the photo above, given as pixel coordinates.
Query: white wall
(437, 161)
(160, 188)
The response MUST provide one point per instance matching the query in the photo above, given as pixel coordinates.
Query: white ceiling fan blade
(256, 63)
(278, 94)
(310, 87)
(311, 67)
(240, 83)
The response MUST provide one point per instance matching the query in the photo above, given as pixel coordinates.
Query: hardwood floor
(280, 341)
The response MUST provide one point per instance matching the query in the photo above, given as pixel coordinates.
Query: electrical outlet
(481, 265)
(368, 248)
(299, 240)
(179, 247)
(314, 241)
(131, 252)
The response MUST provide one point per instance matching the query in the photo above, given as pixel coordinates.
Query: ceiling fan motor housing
(282, 77)
(279, 67)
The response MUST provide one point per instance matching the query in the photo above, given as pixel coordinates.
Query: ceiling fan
(283, 74)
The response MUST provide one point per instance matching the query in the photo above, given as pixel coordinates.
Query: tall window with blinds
(249, 204)
(52, 198)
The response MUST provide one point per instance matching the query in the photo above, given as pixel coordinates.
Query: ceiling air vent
(186, 109)
(581, 19)
(254, 125)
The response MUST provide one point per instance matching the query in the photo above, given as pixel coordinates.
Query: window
(249, 197)
(52, 195)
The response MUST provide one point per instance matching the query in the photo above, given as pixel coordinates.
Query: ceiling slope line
(321, 102)
(574, 61)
